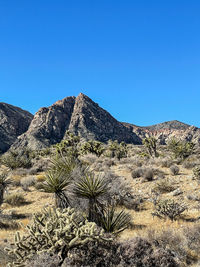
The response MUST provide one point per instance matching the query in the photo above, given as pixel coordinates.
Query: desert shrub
(187, 164)
(16, 159)
(55, 231)
(40, 165)
(166, 162)
(169, 208)
(181, 149)
(89, 159)
(44, 259)
(41, 177)
(192, 235)
(120, 192)
(4, 257)
(196, 173)
(184, 243)
(148, 174)
(39, 186)
(15, 199)
(174, 169)
(93, 254)
(26, 182)
(109, 163)
(138, 172)
(139, 252)
(6, 224)
(164, 186)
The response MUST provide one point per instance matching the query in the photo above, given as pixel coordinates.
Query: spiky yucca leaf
(90, 186)
(57, 182)
(65, 164)
(114, 222)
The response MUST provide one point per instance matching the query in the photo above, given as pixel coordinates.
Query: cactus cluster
(169, 208)
(54, 231)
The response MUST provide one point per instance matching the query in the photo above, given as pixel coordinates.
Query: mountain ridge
(82, 116)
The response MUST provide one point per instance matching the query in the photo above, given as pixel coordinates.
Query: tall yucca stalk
(91, 187)
(57, 182)
(114, 222)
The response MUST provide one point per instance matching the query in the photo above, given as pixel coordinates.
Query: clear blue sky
(139, 59)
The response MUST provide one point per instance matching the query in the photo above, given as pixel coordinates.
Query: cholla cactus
(169, 208)
(54, 231)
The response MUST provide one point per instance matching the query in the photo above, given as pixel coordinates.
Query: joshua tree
(181, 149)
(151, 144)
(69, 145)
(4, 182)
(92, 146)
(91, 187)
(117, 150)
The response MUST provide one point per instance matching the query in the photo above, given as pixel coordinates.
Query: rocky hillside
(83, 117)
(14, 121)
(167, 130)
(79, 115)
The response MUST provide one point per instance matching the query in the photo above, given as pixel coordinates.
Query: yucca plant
(4, 182)
(65, 164)
(57, 182)
(114, 222)
(91, 187)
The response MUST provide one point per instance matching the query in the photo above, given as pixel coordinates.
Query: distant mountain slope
(79, 115)
(13, 122)
(170, 125)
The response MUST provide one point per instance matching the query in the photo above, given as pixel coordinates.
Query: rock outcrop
(14, 121)
(48, 126)
(81, 116)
